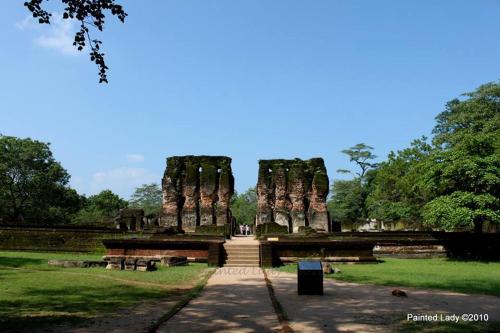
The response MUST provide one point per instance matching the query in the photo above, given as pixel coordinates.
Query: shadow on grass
(19, 262)
(45, 307)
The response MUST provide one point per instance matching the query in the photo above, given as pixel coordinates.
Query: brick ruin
(293, 193)
(197, 191)
(130, 219)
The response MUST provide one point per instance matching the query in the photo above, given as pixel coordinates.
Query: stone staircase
(238, 254)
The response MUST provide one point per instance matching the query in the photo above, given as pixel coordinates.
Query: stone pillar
(281, 203)
(318, 212)
(189, 215)
(264, 208)
(208, 194)
(226, 190)
(171, 188)
(296, 190)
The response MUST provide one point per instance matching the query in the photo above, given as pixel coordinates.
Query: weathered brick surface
(293, 193)
(58, 239)
(197, 191)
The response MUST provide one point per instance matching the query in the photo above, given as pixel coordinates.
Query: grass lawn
(462, 276)
(30, 288)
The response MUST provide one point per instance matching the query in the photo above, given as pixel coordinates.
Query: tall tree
(244, 206)
(348, 200)
(149, 198)
(100, 209)
(33, 185)
(362, 155)
(464, 169)
(346, 203)
(88, 13)
(397, 192)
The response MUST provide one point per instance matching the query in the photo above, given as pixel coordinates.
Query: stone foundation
(171, 251)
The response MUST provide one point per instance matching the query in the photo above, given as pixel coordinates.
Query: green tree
(348, 199)
(463, 171)
(100, 209)
(362, 155)
(88, 13)
(244, 206)
(33, 185)
(346, 203)
(478, 113)
(107, 202)
(462, 211)
(149, 198)
(397, 192)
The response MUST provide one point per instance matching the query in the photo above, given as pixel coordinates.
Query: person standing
(241, 229)
(247, 229)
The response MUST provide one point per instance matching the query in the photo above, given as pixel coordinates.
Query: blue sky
(247, 79)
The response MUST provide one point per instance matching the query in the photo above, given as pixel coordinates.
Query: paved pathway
(351, 307)
(235, 299)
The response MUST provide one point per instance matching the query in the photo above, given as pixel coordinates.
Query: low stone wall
(58, 239)
(276, 253)
(198, 249)
(457, 245)
(410, 251)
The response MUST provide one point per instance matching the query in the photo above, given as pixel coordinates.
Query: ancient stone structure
(197, 191)
(130, 219)
(293, 193)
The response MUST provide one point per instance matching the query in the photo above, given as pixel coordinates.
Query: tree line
(449, 182)
(34, 190)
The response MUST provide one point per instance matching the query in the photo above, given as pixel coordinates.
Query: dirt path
(352, 307)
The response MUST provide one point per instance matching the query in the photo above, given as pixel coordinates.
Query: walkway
(352, 307)
(235, 299)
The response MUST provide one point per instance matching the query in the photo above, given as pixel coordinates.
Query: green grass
(30, 288)
(462, 276)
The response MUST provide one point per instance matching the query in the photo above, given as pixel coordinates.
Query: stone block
(130, 264)
(174, 261)
(145, 265)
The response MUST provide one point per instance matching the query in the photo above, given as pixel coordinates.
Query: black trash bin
(310, 278)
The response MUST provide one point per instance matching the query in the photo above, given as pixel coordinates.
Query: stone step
(242, 261)
(242, 251)
(238, 263)
(248, 248)
(251, 253)
(243, 255)
(241, 265)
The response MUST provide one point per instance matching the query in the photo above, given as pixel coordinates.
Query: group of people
(244, 229)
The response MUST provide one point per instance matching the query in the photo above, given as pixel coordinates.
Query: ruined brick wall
(197, 191)
(293, 193)
(130, 219)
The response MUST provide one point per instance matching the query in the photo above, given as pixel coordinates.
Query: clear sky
(247, 79)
